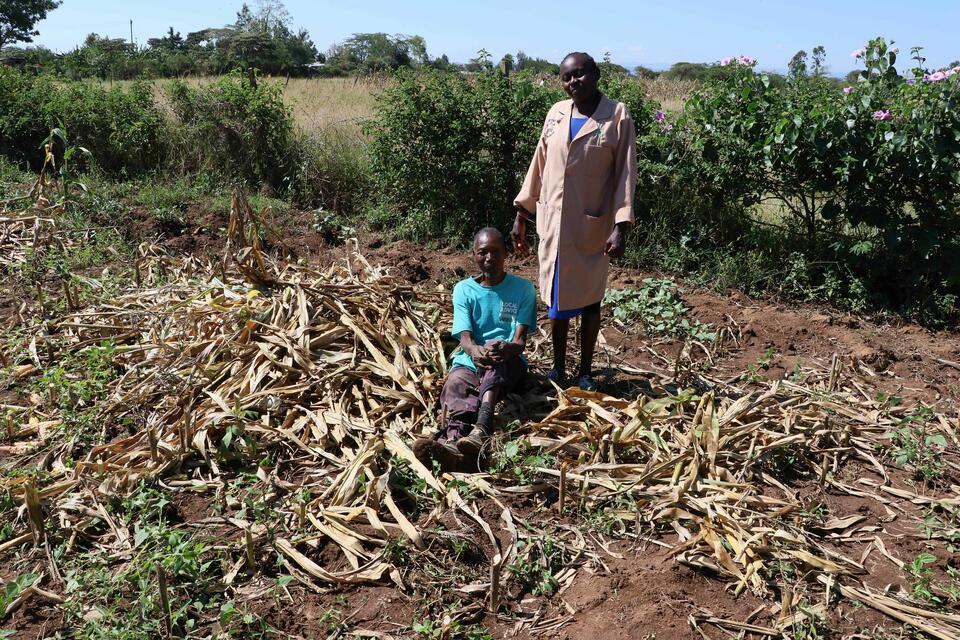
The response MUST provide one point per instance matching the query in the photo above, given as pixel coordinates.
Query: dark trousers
(463, 389)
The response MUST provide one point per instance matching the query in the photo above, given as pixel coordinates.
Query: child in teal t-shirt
(492, 314)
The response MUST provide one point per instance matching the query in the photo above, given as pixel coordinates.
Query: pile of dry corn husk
(334, 372)
(706, 466)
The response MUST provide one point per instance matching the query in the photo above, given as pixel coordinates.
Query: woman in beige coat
(580, 185)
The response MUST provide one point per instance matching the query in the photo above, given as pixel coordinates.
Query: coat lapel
(564, 111)
(600, 117)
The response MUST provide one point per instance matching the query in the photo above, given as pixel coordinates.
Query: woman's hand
(616, 243)
(518, 234)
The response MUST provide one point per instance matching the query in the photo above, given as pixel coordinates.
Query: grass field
(316, 103)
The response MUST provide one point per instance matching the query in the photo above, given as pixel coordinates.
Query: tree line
(263, 37)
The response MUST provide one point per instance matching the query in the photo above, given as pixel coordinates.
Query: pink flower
(949, 73)
(881, 115)
(848, 90)
(747, 60)
(725, 62)
(659, 116)
(937, 76)
(911, 81)
(667, 127)
(857, 53)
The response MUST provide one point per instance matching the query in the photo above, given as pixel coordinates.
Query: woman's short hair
(591, 63)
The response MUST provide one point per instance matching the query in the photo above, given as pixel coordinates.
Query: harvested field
(220, 448)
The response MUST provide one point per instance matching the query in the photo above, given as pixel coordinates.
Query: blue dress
(554, 313)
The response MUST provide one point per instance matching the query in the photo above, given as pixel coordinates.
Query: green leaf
(937, 439)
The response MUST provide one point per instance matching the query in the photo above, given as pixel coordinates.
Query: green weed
(13, 589)
(659, 308)
(812, 625)
(99, 593)
(517, 462)
(944, 525)
(920, 577)
(753, 373)
(916, 447)
(430, 630)
(537, 564)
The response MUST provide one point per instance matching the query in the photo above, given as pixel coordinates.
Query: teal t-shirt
(492, 313)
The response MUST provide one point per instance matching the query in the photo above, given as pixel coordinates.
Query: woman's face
(579, 78)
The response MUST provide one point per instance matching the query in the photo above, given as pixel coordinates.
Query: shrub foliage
(792, 186)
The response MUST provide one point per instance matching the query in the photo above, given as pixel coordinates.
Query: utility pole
(131, 33)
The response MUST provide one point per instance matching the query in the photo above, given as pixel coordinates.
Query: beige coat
(580, 189)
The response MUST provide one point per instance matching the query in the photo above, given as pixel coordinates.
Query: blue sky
(635, 32)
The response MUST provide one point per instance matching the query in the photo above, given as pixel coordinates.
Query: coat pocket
(594, 231)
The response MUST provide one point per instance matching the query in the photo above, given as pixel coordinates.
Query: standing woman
(580, 184)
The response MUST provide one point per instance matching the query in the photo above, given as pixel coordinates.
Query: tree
(376, 52)
(608, 67)
(272, 16)
(819, 59)
(644, 72)
(797, 67)
(418, 49)
(173, 41)
(17, 18)
(442, 63)
(523, 62)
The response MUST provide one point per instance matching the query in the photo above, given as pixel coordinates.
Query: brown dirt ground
(646, 594)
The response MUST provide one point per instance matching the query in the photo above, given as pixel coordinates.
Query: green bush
(449, 152)
(123, 130)
(233, 129)
(864, 183)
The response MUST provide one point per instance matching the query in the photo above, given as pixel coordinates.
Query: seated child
(492, 313)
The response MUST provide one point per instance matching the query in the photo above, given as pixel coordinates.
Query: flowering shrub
(866, 179)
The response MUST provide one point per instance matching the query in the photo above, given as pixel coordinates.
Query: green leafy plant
(233, 128)
(448, 151)
(916, 447)
(538, 562)
(921, 577)
(659, 308)
(810, 624)
(753, 373)
(517, 461)
(430, 630)
(14, 588)
(944, 525)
